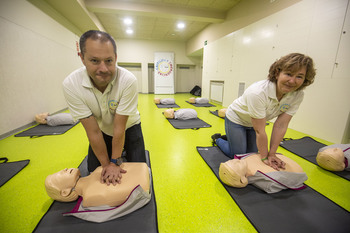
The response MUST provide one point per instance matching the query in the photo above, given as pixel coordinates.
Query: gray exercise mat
(141, 220)
(307, 148)
(168, 105)
(188, 124)
(10, 169)
(286, 211)
(44, 130)
(202, 105)
(216, 113)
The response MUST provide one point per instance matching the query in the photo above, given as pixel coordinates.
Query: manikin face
(240, 167)
(100, 60)
(169, 113)
(288, 81)
(156, 100)
(65, 179)
(336, 153)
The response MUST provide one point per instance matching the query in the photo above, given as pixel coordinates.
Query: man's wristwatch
(117, 161)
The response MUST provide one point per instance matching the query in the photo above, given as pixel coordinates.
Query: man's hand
(274, 162)
(112, 174)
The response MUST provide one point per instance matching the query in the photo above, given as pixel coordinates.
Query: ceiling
(152, 19)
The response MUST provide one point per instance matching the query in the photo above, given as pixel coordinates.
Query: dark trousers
(134, 147)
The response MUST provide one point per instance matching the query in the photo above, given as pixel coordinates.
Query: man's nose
(103, 67)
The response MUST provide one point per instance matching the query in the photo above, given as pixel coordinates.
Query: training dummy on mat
(334, 157)
(181, 114)
(54, 120)
(98, 199)
(249, 169)
(165, 101)
(277, 97)
(193, 100)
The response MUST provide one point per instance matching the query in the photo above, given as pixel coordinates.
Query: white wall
(142, 51)
(36, 55)
(313, 27)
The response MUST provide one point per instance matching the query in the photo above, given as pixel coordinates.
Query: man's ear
(65, 192)
(82, 58)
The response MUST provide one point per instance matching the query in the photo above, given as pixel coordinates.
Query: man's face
(99, 60)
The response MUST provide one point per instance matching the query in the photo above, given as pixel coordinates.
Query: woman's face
(288, 81)
(65, 179)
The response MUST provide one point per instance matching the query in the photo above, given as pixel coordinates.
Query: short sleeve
(129, 97)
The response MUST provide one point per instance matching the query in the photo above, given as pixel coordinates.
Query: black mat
(307, 148)
(141, 220)
(216, 113)
(168, 106)
(10, 169)
(188, 124)
(286, 211)
(44, 130)
(202, 105)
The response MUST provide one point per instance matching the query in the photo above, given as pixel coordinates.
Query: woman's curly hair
(293, 62)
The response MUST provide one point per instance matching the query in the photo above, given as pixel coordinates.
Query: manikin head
(169, 113)
(157, 100)
(192, 100)
(59, 186)
(233, 173)
(41, 118)
(222, 112)
(331, 159)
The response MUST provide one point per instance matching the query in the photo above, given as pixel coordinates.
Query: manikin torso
(95, 193)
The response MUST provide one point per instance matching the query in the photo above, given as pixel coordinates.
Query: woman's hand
(274, 162)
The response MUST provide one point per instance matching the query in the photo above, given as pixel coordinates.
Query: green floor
(189, 196)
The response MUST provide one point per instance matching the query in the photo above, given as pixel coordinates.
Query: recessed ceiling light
(127, 21)
(180, 25)
(129, 31)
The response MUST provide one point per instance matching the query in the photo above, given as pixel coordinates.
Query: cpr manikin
(164, 101)
(181, 114)
(193, 100)
(54, 120)
(249, 169)
(334, 157)
(98, 199)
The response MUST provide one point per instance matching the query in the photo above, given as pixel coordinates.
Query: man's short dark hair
(95, 35)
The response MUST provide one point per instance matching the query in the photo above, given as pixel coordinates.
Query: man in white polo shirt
(104, 98)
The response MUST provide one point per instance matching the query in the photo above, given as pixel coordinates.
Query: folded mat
(216, 113)
(142, 220)
(307, 148)
(188, 124)
(202, 105)
(168, 106)
(286, 211)
(43, 130)
(10, 169)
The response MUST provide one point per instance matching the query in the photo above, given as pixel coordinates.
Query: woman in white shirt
(278, 96)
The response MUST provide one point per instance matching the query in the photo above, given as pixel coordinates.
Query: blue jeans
(134, 147)
(240, 139)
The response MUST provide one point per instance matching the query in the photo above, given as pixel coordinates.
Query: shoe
(214, 137)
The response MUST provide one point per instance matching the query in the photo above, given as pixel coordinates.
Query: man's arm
(111, 172)
(96, 140)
